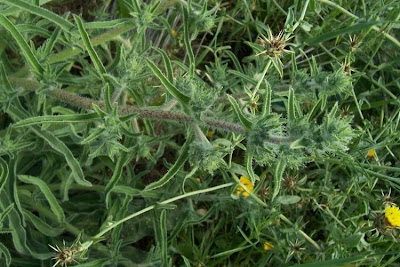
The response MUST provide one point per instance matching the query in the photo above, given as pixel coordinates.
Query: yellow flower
(371, 153)
(267, 246)
(392, 215)
(247, 183)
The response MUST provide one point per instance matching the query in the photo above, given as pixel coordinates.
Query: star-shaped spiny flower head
(275, 46)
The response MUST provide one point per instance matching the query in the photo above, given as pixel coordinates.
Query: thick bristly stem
(143, 113)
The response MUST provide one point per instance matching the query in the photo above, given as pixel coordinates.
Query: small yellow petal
(392, 214)
(267, 246)
(371, 153)
(247, 183)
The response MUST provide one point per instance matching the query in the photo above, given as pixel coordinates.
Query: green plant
(123, 132)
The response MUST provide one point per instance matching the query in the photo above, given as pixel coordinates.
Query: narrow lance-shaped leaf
(42, 226)
(246, 123)
(51, 199)
(89, 47)
(44, 13)
(266, 109)
(107, 98)
(26, 50)
(278, 65)
(291, 111)
(249, 166)
(19, 237)
(3, 173)
(174, 169)
(123, 159)
(6, 253)
(189, 51)
(164, 238)
(57, 119)
(182, 99)
(167, 63)
(280, 168)
(59, 146)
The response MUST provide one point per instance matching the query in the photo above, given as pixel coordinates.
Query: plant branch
(143, 113)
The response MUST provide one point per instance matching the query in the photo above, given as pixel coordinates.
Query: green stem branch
(115, 224)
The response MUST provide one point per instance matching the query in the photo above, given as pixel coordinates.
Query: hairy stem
(143, 113)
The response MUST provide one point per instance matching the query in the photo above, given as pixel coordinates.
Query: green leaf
(291, 111)
(26, 50)
(174, 169)
(3, 173)
(278, 65)
(246, 123)
(42, 226)
(287, 200)
(60, 147)
(164, 238)
(279, 169)
(5, 212)
(266, 109)
(6, 253)
(44, 13)
(89, 47)
(96, 133)
(54, 206)
(123, 159)
(355, 28)
(182, 99)
(19, 237)
(189, 50)
(57, 119)
(107, 98)
(95, 263)
(167, 63)
(243, 76)
(249, 166)
(108, 24)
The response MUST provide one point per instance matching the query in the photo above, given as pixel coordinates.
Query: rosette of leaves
(332, 83)
(105, 139)
(217, 74)
(201, 95)
(300, 82)
(334, 134)
(132, 67)
(209, 156)
(203, 20)
(263, 139)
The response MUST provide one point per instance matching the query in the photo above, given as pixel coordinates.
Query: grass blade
(333, 34)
